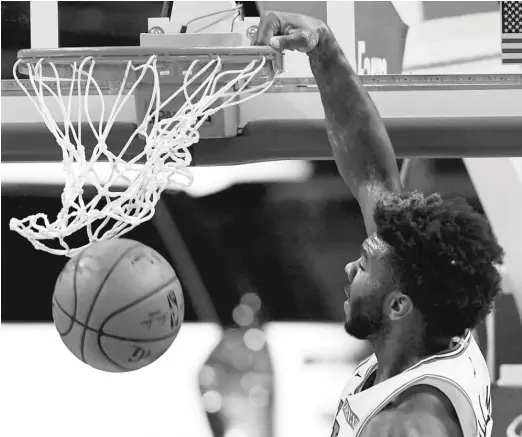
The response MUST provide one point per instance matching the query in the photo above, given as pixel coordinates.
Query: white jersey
(460, 373)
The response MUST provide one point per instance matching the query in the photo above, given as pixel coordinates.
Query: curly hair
(444, 257)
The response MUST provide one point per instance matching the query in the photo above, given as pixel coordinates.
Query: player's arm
(360, 143)
(361, 146)
(422, 411)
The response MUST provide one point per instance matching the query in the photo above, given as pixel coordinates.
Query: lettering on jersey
(485, 423)
(349, 415)
(471, 362)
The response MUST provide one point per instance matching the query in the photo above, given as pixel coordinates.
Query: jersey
(460, 373)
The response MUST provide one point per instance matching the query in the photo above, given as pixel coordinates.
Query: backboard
(391, 38)
(380, 37)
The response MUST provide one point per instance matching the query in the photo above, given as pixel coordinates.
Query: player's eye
(360, 266)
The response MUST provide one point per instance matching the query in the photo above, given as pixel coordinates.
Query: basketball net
(162, 163)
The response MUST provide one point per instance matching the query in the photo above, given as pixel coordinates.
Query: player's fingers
(297, 39)
(269, 26)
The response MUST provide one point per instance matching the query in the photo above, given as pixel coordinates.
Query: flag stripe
(516, 50)
(512, 55)
(513, 35)
(512, 41)
(511, 46)
(512, 61)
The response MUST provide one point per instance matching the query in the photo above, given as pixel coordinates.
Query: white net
(162, 163)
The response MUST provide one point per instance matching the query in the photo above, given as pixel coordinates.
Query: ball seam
(113, 336)
(75, 295)
(126, 307)
(98, 293)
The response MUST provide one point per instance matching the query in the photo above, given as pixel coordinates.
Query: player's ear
(399, 305)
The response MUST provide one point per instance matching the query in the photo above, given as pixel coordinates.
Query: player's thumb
(299, 40)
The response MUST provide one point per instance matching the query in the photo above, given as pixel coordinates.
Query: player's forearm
(360, 143)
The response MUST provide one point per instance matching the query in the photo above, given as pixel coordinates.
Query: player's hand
(286, 31)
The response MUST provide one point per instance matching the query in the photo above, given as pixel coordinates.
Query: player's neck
(393, 358)
(398, 351)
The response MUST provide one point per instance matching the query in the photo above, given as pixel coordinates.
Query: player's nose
(351, 270)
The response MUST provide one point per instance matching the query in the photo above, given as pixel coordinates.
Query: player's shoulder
(422, 397)
(417, 410)
(426, 400)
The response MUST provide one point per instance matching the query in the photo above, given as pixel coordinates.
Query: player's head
(431, 260)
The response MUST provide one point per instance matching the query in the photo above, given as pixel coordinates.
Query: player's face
(369, 280)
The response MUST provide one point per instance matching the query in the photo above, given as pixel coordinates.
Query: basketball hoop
(209, 80)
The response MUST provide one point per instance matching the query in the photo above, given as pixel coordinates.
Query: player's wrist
(327, 45)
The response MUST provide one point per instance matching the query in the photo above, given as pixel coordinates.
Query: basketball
(118, 305)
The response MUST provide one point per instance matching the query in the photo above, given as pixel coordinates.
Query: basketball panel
(82, 279)
(131, 355)
(70, 332)
(139, 273)
(107, 353)
(95, 356)
(157, 316)
(64, 288)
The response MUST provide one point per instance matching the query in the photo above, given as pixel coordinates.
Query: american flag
(511, 32)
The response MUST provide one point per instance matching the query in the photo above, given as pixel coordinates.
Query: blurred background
(263, 351)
